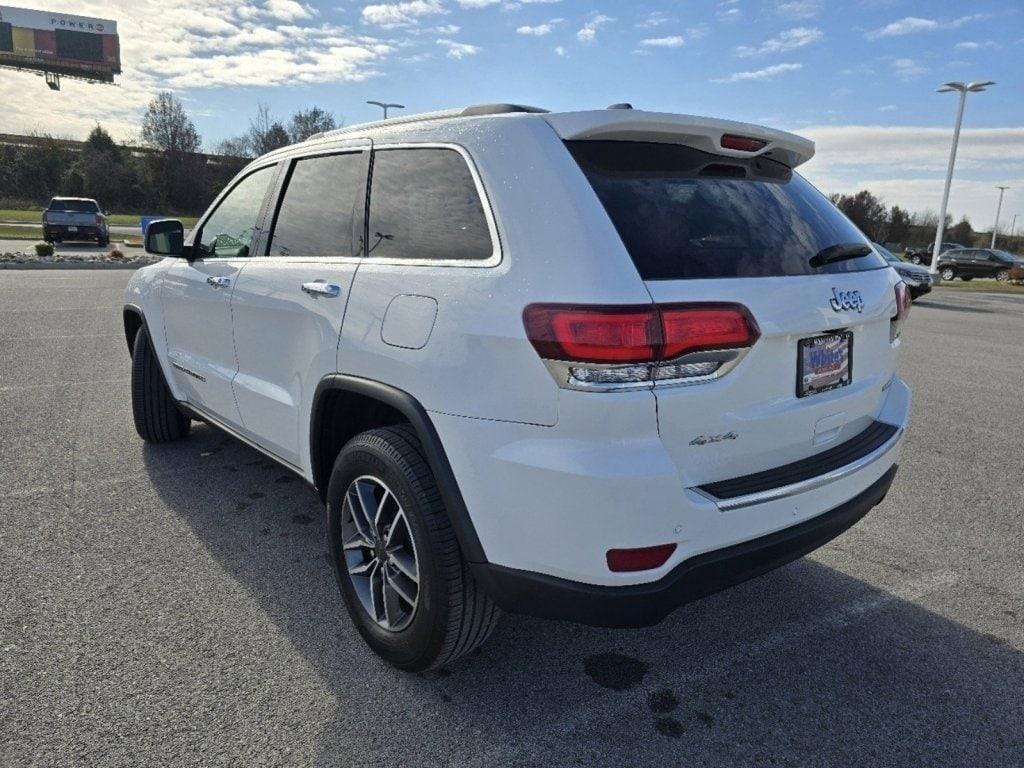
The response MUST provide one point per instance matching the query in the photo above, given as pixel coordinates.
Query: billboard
(60, 43)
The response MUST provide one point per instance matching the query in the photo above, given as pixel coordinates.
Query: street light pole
(940, 230)
(999, 209)
(386, 106)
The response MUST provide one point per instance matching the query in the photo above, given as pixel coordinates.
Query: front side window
(424, 205)
(683, 213)
(227, 233)
(321, 213)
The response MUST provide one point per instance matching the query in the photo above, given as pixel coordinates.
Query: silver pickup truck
(75, 218)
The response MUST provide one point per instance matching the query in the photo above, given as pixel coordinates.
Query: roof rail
(500, 109)
(477, 110)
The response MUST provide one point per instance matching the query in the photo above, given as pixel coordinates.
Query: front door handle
(219, 282)
(322, 288)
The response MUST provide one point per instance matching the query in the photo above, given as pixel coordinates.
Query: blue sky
(859, 77)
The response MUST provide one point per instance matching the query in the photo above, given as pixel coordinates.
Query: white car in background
(588, 365)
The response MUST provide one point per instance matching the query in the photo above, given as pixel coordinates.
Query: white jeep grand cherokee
(587, 366)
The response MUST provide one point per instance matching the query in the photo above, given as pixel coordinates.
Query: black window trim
(496, 253)
(280, 189)
(196, 235)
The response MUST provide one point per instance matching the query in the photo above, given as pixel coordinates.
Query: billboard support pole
(53, 80)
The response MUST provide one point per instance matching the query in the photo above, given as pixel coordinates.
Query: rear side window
(424, 205)
(321, 213)
(685, 214)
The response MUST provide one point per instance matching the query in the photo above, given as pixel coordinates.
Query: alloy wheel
(948, 274)
(380, 554)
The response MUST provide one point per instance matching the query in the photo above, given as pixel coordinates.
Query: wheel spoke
(392, 610)
(363, 569)
(402, 592)
(363, 509)
(405, 563)
(377, 590)
(378, 515)
(399, 518)
(358, 541)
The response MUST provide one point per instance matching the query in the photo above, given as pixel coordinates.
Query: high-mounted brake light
(742, 143)
(634, 344)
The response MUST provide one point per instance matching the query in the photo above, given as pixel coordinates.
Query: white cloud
(389, 15)
(910, 25)
(971, 45)
(799, 9)
(189, 44)
(729, 10)
(788, 40)
(761, 74)
(457, 50)
(588, 31)
(652, 20)
(906, 166)
(888, 108)
(477, 3)
(559, 50)
(908, 69)
(538, 31)
(672, 41)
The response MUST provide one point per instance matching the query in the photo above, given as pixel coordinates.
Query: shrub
(44, 249)
(116, 253)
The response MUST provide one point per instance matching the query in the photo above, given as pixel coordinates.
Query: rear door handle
(322, 288)
(219, 282)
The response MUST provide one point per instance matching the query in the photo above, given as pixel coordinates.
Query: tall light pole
(999, 209)
(963, 91)
(386, 106)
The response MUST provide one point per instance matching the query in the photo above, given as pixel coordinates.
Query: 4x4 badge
(846, 300)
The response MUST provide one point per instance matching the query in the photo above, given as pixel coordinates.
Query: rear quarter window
(424, 204)
(687, 214)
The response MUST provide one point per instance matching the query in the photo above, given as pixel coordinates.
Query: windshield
(684, 214)
(1006, 256)
(74, 206)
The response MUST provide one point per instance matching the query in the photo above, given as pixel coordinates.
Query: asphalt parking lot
(172, 605)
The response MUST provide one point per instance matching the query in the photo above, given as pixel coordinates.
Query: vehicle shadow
(806, 665)
(936, 304)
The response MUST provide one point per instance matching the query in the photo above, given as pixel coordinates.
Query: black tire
(453, 615)
(915, 259)
(1003, 275)
(157, 417)
(967, 278)
(103, 242)
(947, 273)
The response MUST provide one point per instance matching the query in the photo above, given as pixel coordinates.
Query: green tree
(962, 233)
(167, 127)
(899, 225)
(866, 211)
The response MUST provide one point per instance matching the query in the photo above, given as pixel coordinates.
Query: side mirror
(165, 237)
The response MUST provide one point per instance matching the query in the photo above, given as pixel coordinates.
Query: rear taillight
(903, 302)
(742, 143)
(637, 344)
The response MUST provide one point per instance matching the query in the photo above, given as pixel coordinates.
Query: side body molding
(417, 415)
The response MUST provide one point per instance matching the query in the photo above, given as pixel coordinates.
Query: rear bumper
(80, 233)
(642, 605)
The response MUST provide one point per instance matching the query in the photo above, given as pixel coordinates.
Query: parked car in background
(969, 263)
(586, 366)
(75, 218)
(917, 277)
(923, 254)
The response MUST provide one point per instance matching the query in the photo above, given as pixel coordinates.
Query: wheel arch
(133, 320)
(393, 402)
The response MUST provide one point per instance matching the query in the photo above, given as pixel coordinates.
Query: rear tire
(157, 417)
(450, 614)
(103, 242)
(967, 278)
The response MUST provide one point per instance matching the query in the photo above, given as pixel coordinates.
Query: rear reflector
(742, 143)
(643, 559)
(646, 333)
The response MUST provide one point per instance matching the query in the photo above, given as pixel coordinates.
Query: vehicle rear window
(685, 214)
(74, 206)
(424, 205)
(322, 207)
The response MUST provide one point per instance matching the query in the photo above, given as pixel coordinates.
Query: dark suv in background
(923, 254)
(969, 263)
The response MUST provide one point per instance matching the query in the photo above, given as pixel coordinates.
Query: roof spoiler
(704, 133)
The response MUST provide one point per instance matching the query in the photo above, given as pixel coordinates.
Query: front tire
(947, 273)
(915, 259)
(401, 573)
(1003, 275)
(157, 418)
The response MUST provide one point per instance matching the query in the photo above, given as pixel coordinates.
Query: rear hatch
(72, 213)
(726, 229)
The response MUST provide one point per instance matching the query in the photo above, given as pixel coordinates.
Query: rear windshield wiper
(840, 252)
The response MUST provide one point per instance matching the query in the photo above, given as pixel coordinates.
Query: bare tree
(266, 135)
(309, 122)
(167, 127)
